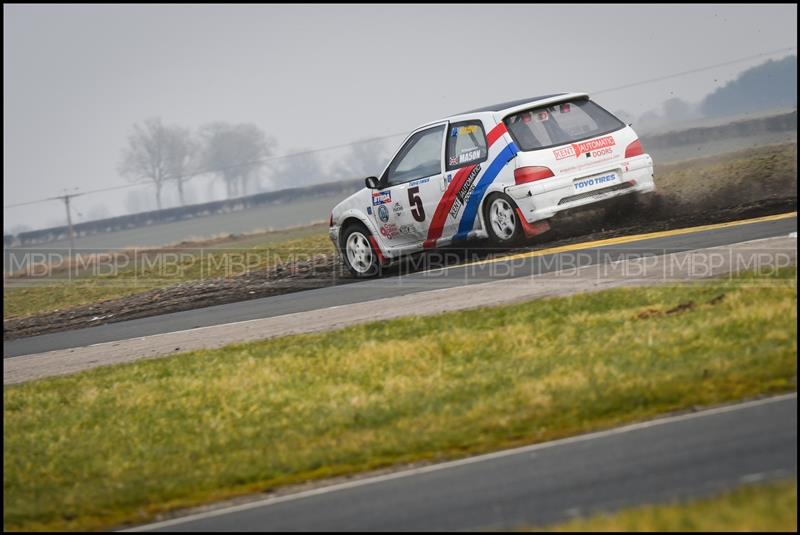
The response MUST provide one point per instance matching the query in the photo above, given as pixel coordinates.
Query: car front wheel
(359, 255)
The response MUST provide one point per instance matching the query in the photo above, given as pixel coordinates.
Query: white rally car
(498, 172)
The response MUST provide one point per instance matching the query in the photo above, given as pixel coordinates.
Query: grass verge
(769, 507)
(123, 443)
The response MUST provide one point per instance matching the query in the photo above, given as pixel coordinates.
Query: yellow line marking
(624, 239)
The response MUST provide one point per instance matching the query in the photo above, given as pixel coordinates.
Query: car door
(410, 189)
(466, 152)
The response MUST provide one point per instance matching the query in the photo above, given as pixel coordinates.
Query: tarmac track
(520, 265)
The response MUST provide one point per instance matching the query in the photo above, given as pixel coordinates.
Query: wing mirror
(371, 182)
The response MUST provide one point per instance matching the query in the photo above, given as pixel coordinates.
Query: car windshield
(559, 124)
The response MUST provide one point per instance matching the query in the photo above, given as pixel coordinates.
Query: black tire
(502, 220)
(363, 261)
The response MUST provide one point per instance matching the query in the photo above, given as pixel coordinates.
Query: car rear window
(560, 124)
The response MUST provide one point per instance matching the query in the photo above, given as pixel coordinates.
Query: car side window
(420, 157)
(466, 144)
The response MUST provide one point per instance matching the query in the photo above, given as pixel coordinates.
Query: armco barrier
(167, 215)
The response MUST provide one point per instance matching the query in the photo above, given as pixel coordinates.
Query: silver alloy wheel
(359, 253)
(502, 218)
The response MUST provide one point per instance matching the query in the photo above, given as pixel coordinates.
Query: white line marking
(462, 462)
(752, 478)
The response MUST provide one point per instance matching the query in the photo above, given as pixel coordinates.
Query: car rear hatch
(574, 140)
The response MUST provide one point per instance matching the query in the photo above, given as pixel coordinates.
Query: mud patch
(653, 313)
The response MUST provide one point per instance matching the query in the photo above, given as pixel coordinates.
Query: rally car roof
(510, 104)
(508, 107)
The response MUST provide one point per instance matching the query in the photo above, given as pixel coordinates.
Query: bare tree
(156, 153)
(234, 153)
(181, 157)
(302, 169)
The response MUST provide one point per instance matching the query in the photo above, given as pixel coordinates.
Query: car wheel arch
(491, 190)
(520, 227)
(355, 218)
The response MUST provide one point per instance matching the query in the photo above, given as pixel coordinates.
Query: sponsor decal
(594, 181)
(369, 210)
(406, 229)
(469, 155)
(420, 181)
(584, 147)
(591, 164)
(449, 178)
(600, 153)
(455, 209)
(464, 192)
(397, 208)
(463, 130)
(389, 231)
(381, 197)
(383, 213)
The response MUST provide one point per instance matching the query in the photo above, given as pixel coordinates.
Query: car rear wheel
(502, 221)
(359, 255)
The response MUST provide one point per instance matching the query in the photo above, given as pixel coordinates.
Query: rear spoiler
(544, 102)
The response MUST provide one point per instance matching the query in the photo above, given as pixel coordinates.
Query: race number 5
(417, 211)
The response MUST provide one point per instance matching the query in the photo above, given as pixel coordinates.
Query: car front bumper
(333, 234)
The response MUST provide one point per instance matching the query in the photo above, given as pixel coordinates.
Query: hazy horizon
(78, 77)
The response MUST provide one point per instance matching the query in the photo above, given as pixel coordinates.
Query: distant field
(122, 443)
(768, 507)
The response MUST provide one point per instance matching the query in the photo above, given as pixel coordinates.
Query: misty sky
(77, 77)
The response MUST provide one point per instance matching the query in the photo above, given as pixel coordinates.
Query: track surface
(393, 286)
(685, 456)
